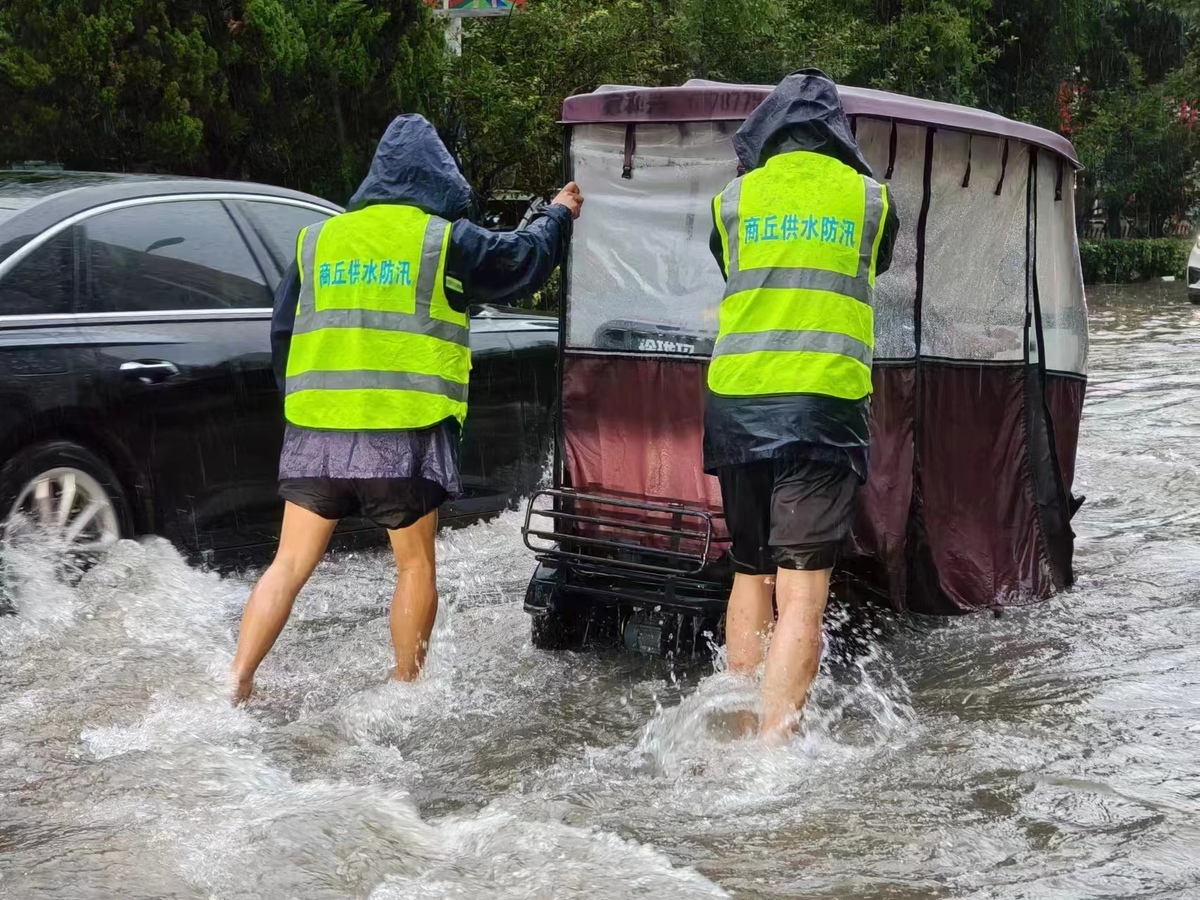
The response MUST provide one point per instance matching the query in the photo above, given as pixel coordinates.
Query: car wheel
(66, 491)
(558, 629)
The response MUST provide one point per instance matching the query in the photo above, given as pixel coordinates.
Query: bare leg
(414, 606)
(747, 624)
(301, 545)
(748, 621)
(795, 649)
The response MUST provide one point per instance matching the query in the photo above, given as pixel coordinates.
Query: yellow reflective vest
(376, 345)
(801, 240)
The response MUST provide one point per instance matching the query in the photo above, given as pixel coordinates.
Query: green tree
(508, 87)
(314, 83)
(936, 49)
(296, 92)
(127, 86)
(1140, 158)
(293, 92)
(758, 43)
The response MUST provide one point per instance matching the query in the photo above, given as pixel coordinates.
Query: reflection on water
(1050, 753)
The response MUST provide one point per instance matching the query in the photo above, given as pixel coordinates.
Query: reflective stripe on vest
(376, 345)
(801, 238)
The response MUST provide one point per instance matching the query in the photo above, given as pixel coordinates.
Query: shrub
(1116, 261)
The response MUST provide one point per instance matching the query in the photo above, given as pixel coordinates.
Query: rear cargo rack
(622, 550)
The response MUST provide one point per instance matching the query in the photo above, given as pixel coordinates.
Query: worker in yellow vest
(371, 344)
(801, 238)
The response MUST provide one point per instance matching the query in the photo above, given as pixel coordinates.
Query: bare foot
(242, 689)
(778, 737)
(779, 734)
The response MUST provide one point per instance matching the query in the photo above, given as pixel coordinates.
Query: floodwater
(1050, 753)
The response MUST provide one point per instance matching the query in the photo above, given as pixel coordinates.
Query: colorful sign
(476, 7)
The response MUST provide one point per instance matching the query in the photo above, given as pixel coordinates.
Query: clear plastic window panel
(642, 276)
(976, 285)
(896, 289)
(1059, 276)
(1033, 353)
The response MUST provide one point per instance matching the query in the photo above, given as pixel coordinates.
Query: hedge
(1120, 261)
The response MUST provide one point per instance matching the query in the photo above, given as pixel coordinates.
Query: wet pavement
(1050, 753)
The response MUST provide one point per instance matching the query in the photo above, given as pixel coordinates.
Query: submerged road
(1050, 753)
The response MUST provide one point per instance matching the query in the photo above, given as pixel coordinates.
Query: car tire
(63, 487)
(558, 629)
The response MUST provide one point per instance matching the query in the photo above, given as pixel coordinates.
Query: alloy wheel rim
(68, 504)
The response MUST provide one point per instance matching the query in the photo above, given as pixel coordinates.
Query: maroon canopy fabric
(712, 101)
(957, 533)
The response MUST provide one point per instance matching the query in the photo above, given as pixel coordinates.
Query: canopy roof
(707, 101)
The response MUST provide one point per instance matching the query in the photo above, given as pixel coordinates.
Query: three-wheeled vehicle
(979, 370)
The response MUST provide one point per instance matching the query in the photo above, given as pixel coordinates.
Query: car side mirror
(536, 205)
(164, 242)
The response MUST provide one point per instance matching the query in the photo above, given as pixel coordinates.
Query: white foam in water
(192, 794)
(694, 754)
(171, 721)
(35, 590)
(392, 711)
(309, 791)
(1047, 753)
(499, 855)
(851, 710)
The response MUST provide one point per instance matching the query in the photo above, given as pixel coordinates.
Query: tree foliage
(289, 91)
(1141, 158)
(313, 84)
(1131, 60)
(126, 87)
(297, 91)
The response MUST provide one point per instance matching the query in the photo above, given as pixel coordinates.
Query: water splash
(118, 723)
(1048, 753)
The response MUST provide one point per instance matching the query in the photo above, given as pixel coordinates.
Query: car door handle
(149, 371)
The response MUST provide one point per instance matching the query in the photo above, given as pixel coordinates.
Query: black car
(136, 388)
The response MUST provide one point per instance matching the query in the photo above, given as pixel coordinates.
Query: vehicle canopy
(980, 333)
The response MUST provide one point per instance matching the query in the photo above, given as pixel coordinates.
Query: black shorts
(391, 503)
(792, 514)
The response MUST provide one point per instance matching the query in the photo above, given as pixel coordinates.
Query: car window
(183, 255)
(280, 224)
(43, 282)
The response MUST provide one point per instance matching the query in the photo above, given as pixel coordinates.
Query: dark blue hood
(804, 112)
(413, 167)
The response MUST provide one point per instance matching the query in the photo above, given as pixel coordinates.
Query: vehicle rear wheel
(64, 490)
(558, 629)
